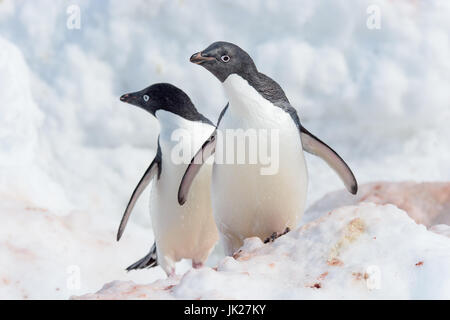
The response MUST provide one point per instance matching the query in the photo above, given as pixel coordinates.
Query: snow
(54, 225)
(46, 256)
(71, 152)
(427, 203)
(442, 229)
(347, 254)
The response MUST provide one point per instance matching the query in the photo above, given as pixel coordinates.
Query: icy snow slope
(48, 256)
(358, 252)
(57, 211)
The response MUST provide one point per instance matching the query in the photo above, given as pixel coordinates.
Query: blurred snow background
(71, 152)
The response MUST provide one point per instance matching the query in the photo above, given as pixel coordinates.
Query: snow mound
(426, 203)
(366, 251)
(442, 229)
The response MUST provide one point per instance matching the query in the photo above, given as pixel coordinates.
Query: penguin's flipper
(315, 146)
(208, 148)
(149, 261)
(153, 170)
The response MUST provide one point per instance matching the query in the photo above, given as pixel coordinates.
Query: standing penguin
(180, 232)
(245, 202)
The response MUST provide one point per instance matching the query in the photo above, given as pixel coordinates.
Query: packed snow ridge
(366, 251)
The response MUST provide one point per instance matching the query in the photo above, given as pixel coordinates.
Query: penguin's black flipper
(207, 149)
(153, 170)
(317, 147)
(149, 261)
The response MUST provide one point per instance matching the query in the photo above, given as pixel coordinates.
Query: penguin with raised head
(187, 232)
(247, 203)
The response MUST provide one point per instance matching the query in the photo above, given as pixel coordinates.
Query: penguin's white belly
(245, 202)
(188, 231)
(183, 232)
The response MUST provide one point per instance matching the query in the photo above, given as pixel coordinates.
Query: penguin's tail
(149, 261)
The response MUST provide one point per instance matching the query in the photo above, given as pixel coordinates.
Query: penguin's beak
(125, 97)
(128, 98)
(200, 57)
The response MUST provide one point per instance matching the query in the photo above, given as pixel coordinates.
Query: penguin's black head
(164, 96)
(224, 58)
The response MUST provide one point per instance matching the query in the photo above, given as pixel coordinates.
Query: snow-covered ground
(71, 153)
(347, 254)
(426, 203)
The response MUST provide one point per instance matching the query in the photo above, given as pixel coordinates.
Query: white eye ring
(146, 97)
(225, 58)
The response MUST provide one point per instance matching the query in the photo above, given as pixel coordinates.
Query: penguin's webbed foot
(197, 265)
(276, 235)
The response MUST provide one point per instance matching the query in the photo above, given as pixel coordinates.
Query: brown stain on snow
(316, 285)
(22, 253)
(360, 276)
(335, 262)
(351, 232)
(323, 276)
(36, 209)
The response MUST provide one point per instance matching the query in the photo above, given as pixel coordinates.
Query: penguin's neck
(170, 122)
(245, 100)
(176, 129)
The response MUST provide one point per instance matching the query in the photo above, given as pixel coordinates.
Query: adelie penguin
(245, 202)
(187, 232)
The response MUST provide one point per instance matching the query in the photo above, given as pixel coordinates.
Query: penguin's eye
(146, 97)
(225, 58)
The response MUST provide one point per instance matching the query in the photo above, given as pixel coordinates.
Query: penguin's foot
(171, 273)
(197, 265)
(276, 235)
(149, 261)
